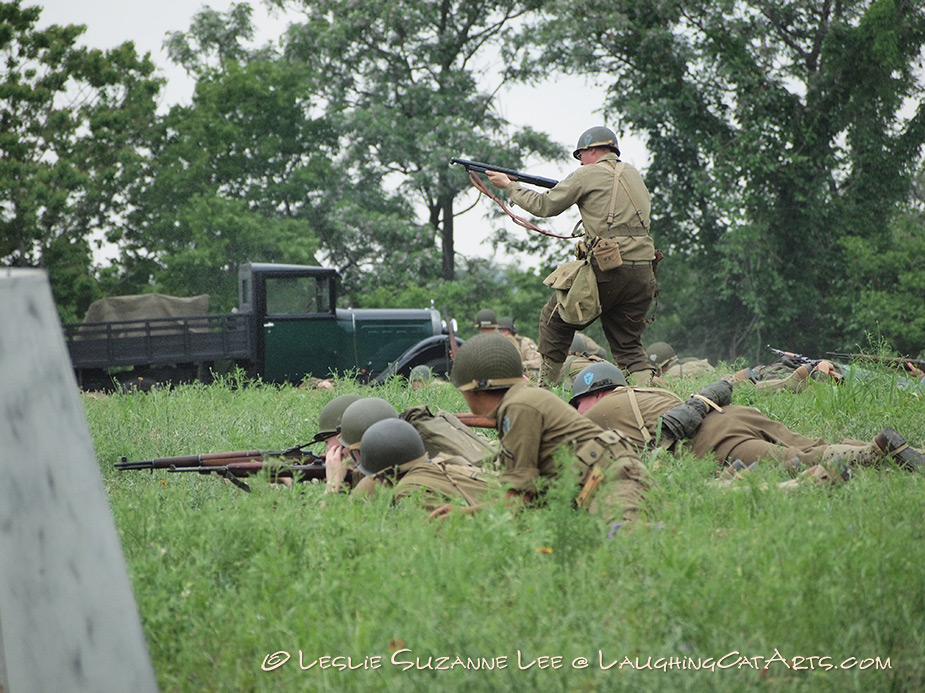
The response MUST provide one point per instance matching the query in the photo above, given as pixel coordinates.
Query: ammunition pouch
(576, 291)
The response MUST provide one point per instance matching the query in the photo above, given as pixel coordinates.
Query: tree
(778, 139)
(72, 133)
(404, 79)
(248, 172)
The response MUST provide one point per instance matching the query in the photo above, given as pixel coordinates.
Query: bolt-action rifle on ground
(302, 463)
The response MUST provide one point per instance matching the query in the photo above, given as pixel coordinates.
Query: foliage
(779, 138)
(73, 122)
(407, 81)
(226, 580)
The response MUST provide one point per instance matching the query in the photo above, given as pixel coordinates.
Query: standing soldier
(529, 355)
(614, 205)
(534, 424)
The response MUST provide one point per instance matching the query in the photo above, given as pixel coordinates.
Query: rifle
(797, 359)
(474, 421)
(451, 334)
(893, 360)
(478, 167)
(235, 470)
(299, 453)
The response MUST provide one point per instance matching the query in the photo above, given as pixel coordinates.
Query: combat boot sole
(894, 445)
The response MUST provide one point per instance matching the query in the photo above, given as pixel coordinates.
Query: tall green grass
(229, 584)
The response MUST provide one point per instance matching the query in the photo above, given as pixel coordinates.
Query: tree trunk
(449, 254)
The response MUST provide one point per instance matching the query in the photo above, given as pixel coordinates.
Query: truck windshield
(297, 295)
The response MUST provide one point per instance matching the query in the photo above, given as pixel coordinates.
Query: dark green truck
(287, 327)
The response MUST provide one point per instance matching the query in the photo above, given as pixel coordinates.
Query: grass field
(291, 590)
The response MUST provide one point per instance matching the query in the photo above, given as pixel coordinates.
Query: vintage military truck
(287, 327)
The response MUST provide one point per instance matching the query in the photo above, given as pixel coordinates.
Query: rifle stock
(451, 334)
(218, 459)
(479, 167)
(474, 421)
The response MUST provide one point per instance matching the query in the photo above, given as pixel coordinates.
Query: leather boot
(550, 372)
(893, 445)
(640, 378)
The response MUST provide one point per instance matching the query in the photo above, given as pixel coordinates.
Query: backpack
(444, 434)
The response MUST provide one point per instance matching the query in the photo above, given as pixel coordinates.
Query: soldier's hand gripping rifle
(476, 167)
(234, 471)
(300, 454)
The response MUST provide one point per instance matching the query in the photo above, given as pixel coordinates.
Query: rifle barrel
(480, 167)
(215, 459)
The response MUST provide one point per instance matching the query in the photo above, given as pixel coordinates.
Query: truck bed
(192, 339)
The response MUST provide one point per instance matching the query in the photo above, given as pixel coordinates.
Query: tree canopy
(779, 138)
(73, 123)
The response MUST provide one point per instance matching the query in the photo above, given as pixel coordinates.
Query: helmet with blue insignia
(594, 378)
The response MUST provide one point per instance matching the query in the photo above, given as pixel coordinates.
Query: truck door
(300, 334)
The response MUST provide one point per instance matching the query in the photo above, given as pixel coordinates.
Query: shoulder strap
(617, 172)
(640, 423)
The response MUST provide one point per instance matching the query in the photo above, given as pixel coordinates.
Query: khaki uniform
(689, 367)
(529, 354)
(626, 292)
(435, 481)
(533, 424)
(736, 433)
(574, 365)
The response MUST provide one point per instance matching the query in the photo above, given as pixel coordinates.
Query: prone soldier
(534, 424)
(735, 436)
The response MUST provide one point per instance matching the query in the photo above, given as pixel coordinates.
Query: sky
(562, 107)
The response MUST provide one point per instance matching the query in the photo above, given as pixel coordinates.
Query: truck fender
(433, 351)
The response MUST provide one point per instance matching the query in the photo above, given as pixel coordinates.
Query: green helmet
(389, 443)
(594, 378)
(596, 137)
(661, 354)
(487, 361)
(361, 415)
(507, 324)
(486, 319)
(578, 344)
(331, 413)
(421, 373)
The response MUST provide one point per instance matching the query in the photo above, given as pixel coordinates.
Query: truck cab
(299, 331)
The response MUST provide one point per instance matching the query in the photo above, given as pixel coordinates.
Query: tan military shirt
(590, 188)
(435, 481)
(533, 423)
(529, 353)
(634, 411)
(689, 367)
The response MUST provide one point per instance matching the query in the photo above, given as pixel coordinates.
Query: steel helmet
(507, 324)
(486, 319)
(578, 345)
(488, 361)
(389, 443)
(594, 378)
(361, 415)
(421, 373)
(331, 413)
(596, 137)
(661, 354)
